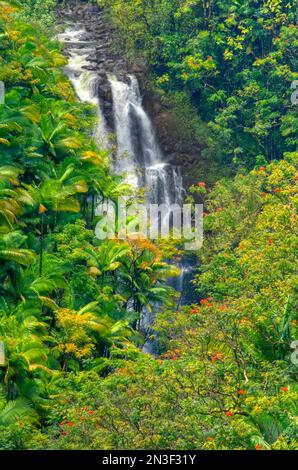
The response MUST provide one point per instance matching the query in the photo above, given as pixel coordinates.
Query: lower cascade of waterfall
(138, 155)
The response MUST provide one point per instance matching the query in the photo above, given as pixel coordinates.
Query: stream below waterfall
(138, 157)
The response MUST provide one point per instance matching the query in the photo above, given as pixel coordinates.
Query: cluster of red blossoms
(216, 357)
(194, 311)
(206, 302)
(203, 303)
(172, 355)
(70, 424)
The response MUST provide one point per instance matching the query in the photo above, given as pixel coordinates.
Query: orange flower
(229, 413)
(258, 447)
(284, 389)
(201, 184)
(222, 308)
(194, 311)
(262, 168)
(90, 412)
(42, 209)
(216, 357)
(70, 424)
(241, 392)
(276, 190)
(210, 439)
(270, 241)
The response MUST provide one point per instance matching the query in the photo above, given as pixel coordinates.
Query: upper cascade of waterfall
(85, 81)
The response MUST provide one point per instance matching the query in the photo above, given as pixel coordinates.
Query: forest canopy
(225, 376)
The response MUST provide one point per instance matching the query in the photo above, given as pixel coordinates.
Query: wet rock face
(181, 150)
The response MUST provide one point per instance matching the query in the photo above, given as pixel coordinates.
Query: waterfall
(126, 159)
(138, 155)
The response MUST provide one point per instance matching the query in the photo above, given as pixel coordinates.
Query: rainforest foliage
(74, 375)
(234, 59)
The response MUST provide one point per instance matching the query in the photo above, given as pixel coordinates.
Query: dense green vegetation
(70, 305)
(235, 59)
(65, 297)
(40, 11)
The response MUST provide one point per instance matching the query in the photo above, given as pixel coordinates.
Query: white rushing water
(139, 154)
(85, 82)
